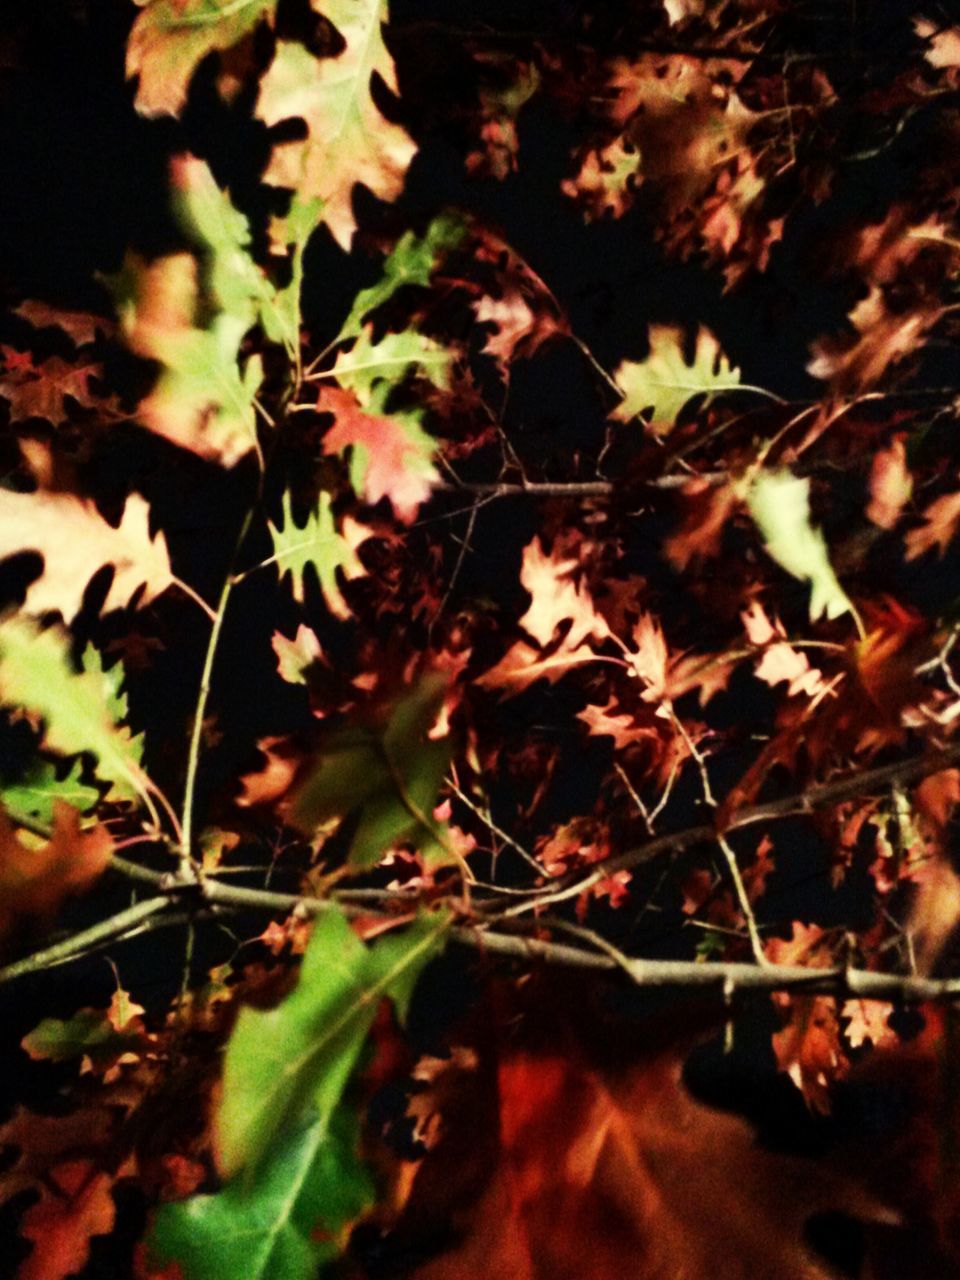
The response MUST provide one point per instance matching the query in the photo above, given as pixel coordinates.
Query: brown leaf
(941, 519)
(36, 878)
(81, 327)
(884, 337)
(890, 484)
(632, 1177)
(43, 390)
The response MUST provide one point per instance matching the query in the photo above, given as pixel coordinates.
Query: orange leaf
(35, 879)
(75, 1205)
(633, 1177)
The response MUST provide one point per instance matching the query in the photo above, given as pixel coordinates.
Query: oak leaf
(75, 541)
(391, 456)
(665, 382)
(81, 327)
(295, 656)
(883, 338)
(76, 1204)
(318, 543)
(37, 875)
(348, 139)
(80, 710)
(170, 39)
(556, 599)
(650, 1181)
(941, 521)
(202, 400)
(45, 390)
(780, 504)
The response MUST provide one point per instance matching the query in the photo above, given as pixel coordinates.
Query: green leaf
(202, 400)
(286, 1222)
(31, 799)
(348, 140)
(387, 774)
(390, 360)
(89, 1032)
(36, 674)
(281, 1062)
(412, 262)
(172, 37)
(282, 322)
(318, 543)
(664, 382)
(780, 505)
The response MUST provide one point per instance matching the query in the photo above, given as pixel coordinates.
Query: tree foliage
(481, 623)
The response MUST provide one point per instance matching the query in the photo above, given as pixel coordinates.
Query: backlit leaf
(664, 382)
(37, 675)
(411, 262)
(75, 541)
(202, 400)
(318, 543)
(170, 39)
(780, 504)
(391, 456)
(285, 1222)
(281, 1063)
(32, 799)
(348, 140)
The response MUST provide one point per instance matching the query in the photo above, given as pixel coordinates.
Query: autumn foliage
(478, 659)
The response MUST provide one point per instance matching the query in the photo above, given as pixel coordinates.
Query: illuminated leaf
(36, 674)
(32, 799)
(292, 1216)
(75, 541)
(170, 39)
(780, 504)
(664, 382)
(390, 360)
(318, 543)
(281, 1063)
(296, 655)
(391, 456)
(201, 400)
(348, 140)
(412, 261)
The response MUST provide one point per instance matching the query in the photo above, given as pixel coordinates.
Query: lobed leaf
(348, 140)
(75, 542)
(36, 674)
(170, 39)
(664, 383)
(318, 543)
